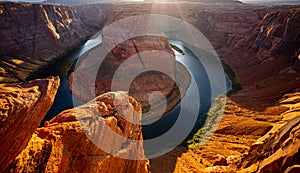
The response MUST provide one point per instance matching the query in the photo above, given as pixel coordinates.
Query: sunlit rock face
(136, 63)
(33, 35)
(279, 37)
(63, 146)
(267, 70)
(22, 109)
(268, 100)
(278, 153)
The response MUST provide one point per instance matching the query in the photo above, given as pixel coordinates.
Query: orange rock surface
(279, 152)
(21, 112)
(269, 75)
(63, 146)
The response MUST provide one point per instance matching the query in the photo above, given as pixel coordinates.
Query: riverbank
(39, 72)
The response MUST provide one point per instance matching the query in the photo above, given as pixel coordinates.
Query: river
(187, 58)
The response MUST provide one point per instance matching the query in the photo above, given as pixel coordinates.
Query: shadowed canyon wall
(266, 60)
(34, 35)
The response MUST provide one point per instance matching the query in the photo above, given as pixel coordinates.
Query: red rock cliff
(267, 59)
(269, 75)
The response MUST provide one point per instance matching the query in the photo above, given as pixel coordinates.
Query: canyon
(145, 58)
(23, 49)
(62, 144)
(259, 131)
(268, 100)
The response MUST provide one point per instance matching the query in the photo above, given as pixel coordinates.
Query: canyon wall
(266, 61)
(251, 136)
(23, 51)
(273, 57)
(262, 50)
(217, 21)
(94, 15)
(33, 35)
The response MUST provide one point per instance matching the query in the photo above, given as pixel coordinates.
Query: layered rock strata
(33, 35)
(268, 68)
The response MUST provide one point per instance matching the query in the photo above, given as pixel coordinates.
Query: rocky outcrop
(33, 35)
(278, 153)
(155, 71)
(146, 82)
(278, 34)
(268, 73)
(22, 109)
(63, 146)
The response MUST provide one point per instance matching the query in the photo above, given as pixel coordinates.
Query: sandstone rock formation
(147, 82)
(63, 146)
(267, 65)
(34, 35)
(149, 72)
(278, 153)
(21, 112)
(268, 72)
